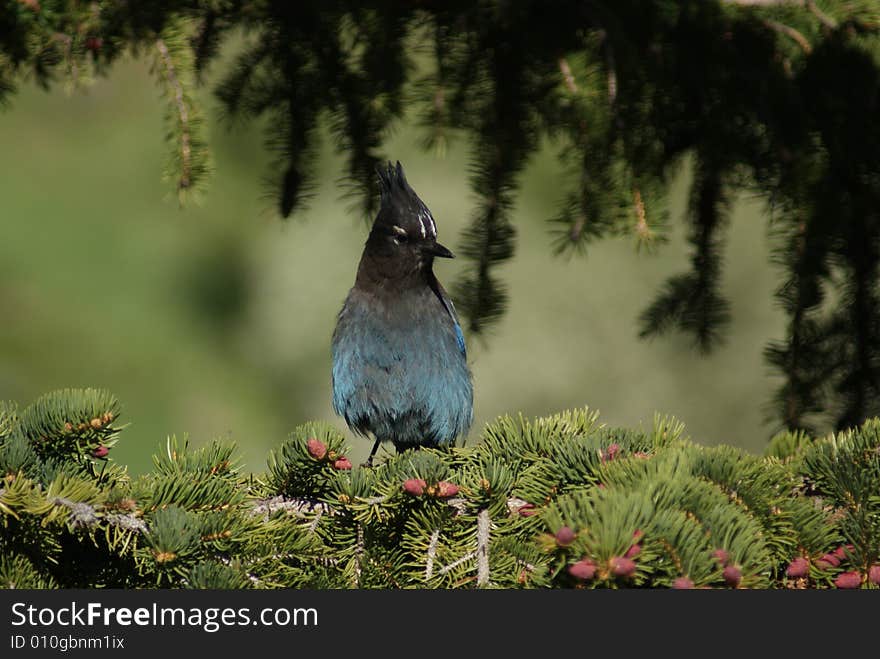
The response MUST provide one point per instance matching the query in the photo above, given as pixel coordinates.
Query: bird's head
(404, 235)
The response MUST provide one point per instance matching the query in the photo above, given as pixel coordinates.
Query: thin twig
(790, 32)
(455, 564)
(81, 514)
(612, 72)
(762, 3)
(643, 231)
(567, 75)
(359, 555)
(824, 18)
(514, 504)
(314, 523)
(297, 506)
(182, 112)
(432, 554)
(483, 526)
(127, 522)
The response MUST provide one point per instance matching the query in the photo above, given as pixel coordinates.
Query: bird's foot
(369, 463)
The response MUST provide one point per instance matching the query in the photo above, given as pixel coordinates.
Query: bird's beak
(439, 250)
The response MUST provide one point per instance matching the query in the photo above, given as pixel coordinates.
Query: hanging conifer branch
(629, 89)
(184, 179)
(189, 164)
(860, 386)
(691, 302)
(207, 40)
(432, 90)
(801, 357)
(500, 153)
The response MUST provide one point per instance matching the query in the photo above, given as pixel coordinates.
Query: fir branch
(691, 302)
(667, 510)
(7, 86)
(802, 357)
(189, 163)
(182, 113)
(505, 136)
(433, 90)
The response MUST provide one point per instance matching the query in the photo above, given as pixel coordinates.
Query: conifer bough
(664, 513)
(770, 97)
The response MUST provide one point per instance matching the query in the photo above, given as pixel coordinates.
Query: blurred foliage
(558, 502)
(778, 98)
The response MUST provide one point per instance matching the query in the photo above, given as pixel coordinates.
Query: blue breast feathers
(403, 377)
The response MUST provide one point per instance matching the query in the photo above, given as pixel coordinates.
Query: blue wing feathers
(459, 337)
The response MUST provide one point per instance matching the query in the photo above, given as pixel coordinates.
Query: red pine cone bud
(565, 536)
(342, 464)
(584, 569)
(732, 576)
(100, 452)
(527, 510)
(799, 567)
(840, 552)
(874, 574)
(682, 583)
(721, 556)
(828, 561)
(414, 486)
(622, 567)
(638, 534)
(317, 448)
(633, 551)
(445, 489)
(610, 453)
(848, 580)
(94, 43)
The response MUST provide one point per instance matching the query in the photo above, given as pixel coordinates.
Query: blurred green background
(215, 320)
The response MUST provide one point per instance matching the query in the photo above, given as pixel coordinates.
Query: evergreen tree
(558, 502)
(774, 97)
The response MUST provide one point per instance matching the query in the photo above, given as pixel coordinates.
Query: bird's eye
(399, 235)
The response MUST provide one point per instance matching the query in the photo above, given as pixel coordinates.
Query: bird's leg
(369, 462)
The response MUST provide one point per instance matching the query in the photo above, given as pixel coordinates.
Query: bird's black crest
(401, 206)
(392, 182)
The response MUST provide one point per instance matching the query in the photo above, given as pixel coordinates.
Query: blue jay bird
(399, 361)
